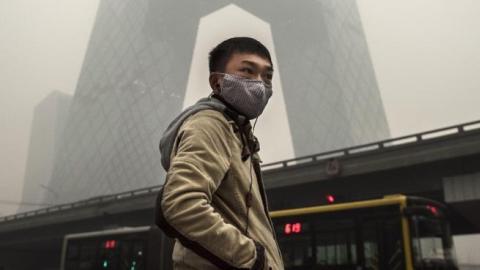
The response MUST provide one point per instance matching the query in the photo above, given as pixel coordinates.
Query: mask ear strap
(254, 124)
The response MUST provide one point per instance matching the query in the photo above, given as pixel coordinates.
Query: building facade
(144, 65)
(48, 123)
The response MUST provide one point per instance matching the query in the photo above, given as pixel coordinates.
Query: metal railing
(83, 203)
(375, 146)
(365, 148)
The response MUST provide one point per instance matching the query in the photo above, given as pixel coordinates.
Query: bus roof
(123, 230)
(396, 199)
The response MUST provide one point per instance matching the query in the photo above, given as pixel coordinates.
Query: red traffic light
(433, 210)
(330, 198)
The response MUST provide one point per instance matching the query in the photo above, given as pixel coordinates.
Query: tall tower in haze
(146, 61)
(46, 134)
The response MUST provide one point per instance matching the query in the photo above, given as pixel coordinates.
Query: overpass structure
(442, 164)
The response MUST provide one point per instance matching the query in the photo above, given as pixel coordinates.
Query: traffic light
(330, 198)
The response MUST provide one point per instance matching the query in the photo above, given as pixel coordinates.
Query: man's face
(246, 65)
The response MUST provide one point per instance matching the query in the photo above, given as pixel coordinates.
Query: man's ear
(216, 81)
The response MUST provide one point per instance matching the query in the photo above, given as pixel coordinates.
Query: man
(213, 201)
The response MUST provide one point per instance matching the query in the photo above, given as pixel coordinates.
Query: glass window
(382, 242)
(73, 251)
(430, 241)
(371, 255)
(335, 248)
(296, 250)
(295, 240)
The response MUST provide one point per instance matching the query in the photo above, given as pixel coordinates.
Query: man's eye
(268, 79)
(247, 70)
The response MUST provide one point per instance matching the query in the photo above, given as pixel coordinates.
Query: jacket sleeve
(200, 163)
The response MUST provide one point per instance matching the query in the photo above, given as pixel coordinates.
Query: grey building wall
(135, 73)
(46, 134)
(469, 267)
(462, 187)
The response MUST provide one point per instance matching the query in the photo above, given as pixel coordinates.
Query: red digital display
(110, 244)
(293, 228)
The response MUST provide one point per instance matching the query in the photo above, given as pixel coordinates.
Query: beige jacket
(203, 203)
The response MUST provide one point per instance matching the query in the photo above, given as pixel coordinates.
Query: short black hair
(219, 56)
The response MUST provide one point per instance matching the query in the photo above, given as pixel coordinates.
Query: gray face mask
(249, 97)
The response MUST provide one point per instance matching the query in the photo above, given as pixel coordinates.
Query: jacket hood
(168, 138)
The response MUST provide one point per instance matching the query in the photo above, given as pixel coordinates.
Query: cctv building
(147, 60)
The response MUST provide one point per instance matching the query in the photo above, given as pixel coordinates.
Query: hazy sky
(42, 45)
(426, 56)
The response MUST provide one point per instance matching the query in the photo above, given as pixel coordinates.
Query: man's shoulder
(208, 120)
(209, 114)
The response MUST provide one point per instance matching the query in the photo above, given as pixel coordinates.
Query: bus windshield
(431, 242)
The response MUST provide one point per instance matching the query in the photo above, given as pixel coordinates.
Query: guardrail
(413, 138)
(409, 139)
(83, 203)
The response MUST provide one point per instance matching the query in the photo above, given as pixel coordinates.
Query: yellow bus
(394, 232)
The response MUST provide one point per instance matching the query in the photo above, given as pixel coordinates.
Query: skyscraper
(146, 61)
(46, 133)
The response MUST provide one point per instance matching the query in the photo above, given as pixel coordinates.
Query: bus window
(382, 243)
(370, 248)
(296, 242)
(428, 241)
(87, 256)
(73, 252)
(335, 244)
(431, 246)
(336, 248)
(131, 255)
